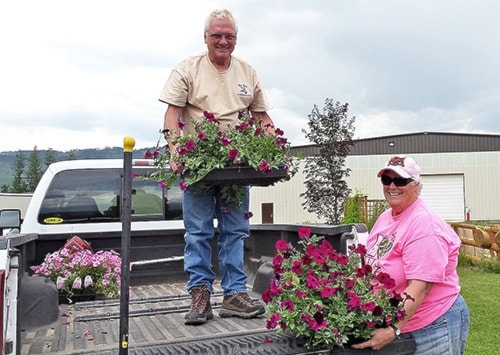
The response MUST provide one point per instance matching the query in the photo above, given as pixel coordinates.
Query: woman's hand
(380, 338)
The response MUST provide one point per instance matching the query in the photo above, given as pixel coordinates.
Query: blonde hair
(220, 14)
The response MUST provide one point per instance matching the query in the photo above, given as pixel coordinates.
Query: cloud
(77, 75)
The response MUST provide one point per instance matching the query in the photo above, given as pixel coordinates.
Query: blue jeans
(447, 334)
(199, 210)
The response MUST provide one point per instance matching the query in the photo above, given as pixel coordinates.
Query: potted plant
(231, 156)
(328, 299)
(81, 274)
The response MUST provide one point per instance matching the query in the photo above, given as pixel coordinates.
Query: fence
(483, 237)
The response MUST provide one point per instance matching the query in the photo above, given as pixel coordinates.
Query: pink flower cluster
(68, 267)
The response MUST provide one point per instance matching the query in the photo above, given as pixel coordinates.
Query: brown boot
(241, 305)
(201, 309)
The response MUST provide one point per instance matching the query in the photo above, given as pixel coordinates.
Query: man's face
(220, 39)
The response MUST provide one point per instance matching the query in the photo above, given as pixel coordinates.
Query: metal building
(460, 176)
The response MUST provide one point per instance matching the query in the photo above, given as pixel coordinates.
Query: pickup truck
(82, 198)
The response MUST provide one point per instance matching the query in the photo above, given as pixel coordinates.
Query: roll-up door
(445, 194)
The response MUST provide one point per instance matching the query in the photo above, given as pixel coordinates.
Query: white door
(445, 194)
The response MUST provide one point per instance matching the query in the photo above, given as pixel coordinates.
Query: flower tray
(79, 295)
(244, 175)
(403, 346)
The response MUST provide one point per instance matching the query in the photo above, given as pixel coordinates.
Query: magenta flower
(242, 126)
(232, 154)
(272, 322)
(300, 294)
(202, 136)
(288, 305)
(312, 281)
(149, 154)
(225, 141)
(264, 166)
(248, 215)
(282, 244)
(304, 232)
(386, 280)
(297, 267)
(182, 151)
(190, 145)
(210, 117)
(327, 291)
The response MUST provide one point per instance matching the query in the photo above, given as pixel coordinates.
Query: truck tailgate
(156, 326)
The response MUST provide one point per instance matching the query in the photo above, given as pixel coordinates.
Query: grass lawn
(481, 291)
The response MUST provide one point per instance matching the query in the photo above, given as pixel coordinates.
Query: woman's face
(400, 197)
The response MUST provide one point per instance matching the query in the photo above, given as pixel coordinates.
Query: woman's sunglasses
(398, 180)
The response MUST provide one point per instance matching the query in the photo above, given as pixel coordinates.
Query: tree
(332, 131)
(71, 155)
(34, 173)
(18, 183)
(50, 157)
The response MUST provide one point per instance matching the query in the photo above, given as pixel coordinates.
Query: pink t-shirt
(417, 244)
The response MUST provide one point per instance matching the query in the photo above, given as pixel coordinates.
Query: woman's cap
(403, 166)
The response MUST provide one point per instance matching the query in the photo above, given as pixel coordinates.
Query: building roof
(420, 142)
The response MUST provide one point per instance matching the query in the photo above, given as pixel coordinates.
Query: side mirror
(9, 219)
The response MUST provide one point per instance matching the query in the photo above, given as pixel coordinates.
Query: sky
(85, 74)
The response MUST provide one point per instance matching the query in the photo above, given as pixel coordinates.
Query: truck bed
(156, 326)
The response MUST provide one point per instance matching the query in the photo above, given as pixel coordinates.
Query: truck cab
(77, 195)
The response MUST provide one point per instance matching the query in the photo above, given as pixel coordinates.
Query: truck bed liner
(156, 326)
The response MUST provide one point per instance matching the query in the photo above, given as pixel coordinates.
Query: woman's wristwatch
(397, 331)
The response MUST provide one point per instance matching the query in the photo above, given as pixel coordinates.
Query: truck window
(94, 195)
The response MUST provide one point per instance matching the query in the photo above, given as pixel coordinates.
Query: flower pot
(244, 175)
(79, 295)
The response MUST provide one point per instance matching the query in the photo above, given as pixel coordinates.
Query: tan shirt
(198, 86)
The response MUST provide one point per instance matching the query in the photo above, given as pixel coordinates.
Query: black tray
(244, 175)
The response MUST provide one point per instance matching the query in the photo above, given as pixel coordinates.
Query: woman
(420, 251)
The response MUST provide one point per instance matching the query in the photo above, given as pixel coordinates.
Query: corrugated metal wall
(475, 156)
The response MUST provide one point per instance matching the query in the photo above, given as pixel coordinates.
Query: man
(220, 83)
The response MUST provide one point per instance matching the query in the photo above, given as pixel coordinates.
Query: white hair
(220, 14)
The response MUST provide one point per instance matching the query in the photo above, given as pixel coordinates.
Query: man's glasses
(230, 37)
(398, 180)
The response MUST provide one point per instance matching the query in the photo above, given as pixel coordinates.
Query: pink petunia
(225, 141)
(282, 244)
(181, 151)
(202, 136)
(190, 145)
(304, 232)
(264, 166)
(232, 154)
(209, 116)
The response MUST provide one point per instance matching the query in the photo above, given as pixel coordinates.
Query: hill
(7, 159)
